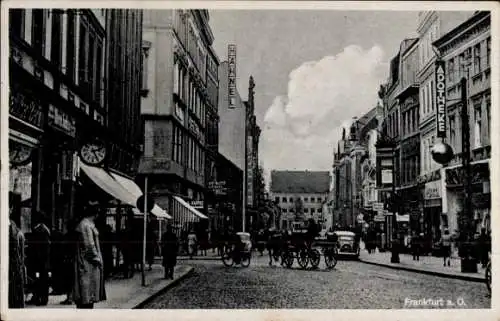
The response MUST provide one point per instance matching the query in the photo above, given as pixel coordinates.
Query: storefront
(481, 196)
(26, 130)
(433, 220)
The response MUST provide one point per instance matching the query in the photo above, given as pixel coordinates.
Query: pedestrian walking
(40, 251)
(192, 242)
(415, 244)
(17, 267)
(88, 285)
(446, 247)
(169, 250)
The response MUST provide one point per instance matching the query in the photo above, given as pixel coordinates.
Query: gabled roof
(300, 181)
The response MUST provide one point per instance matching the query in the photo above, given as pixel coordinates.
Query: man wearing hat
(40, 251)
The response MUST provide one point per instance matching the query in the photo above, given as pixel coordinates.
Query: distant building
(300, 195)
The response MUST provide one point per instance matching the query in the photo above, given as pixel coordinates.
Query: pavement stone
(129, 293)
(427, 264)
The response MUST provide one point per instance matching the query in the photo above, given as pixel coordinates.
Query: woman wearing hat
(88, 283)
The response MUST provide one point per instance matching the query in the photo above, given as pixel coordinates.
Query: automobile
(346, 244)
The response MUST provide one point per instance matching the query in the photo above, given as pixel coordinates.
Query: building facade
(58, 102)
(179, 95)
(407, 96)
(232, 136)
(466, 51)
(431, 26)
(300, 195)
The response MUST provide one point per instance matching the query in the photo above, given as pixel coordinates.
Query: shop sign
(440, 99)
(196, 203)
(26, 108)
(231, 57)
(62, 121)
(432, 190)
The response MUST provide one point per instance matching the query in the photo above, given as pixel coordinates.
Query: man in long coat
(17, 269)
(170, 247)
(88, 284)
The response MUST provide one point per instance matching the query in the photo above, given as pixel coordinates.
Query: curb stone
(435, 273)
(162, 290)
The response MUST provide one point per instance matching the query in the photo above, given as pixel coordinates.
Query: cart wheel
(314, 258)
(245, 260)
(303, 259)
(227, 259)
(488, 277)
(330, 260)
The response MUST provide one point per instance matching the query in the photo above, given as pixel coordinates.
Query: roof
(300, 181)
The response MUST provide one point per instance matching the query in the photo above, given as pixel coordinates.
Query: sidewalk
(210, 256)
(129, 293)
(427, 264)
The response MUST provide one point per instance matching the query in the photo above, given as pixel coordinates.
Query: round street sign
(140, 203)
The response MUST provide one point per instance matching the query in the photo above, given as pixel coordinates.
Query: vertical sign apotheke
(231, 57)
(440, 99)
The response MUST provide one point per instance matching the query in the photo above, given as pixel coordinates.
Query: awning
(190, 208)
(105, 181)
(136, 191)
(119, 187)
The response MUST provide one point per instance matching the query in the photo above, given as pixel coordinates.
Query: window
(55, 54)
(16, 22)
(291, 200)
(306, 199)
(178, 143)
(176, 78)
(284, 210)
(306, 210)
(319, 199)
(70, 46)
(453, 137)
(432, 102)
(477, 59)
(319, 210)
(313, 211)
(284, 199)
(477, 126)
(488, 52)
(488, 115)
(82, 58)
(450, 70)
(313, 199)
(38, 31)
(277, 199)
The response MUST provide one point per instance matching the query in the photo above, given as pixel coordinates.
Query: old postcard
(268, 160)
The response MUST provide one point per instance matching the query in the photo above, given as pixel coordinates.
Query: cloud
(301, 128)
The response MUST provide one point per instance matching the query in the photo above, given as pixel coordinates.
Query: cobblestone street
(351, 285)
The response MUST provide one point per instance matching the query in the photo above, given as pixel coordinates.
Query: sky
(313, 70)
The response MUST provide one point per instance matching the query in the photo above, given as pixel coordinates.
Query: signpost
(440, 99)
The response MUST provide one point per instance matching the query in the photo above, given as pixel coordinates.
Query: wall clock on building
(20, 155)
(93, 153)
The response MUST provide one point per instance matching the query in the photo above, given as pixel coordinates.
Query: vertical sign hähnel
(231, 57)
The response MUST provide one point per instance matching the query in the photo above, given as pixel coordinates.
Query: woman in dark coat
(169, 249)
(17, 269)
